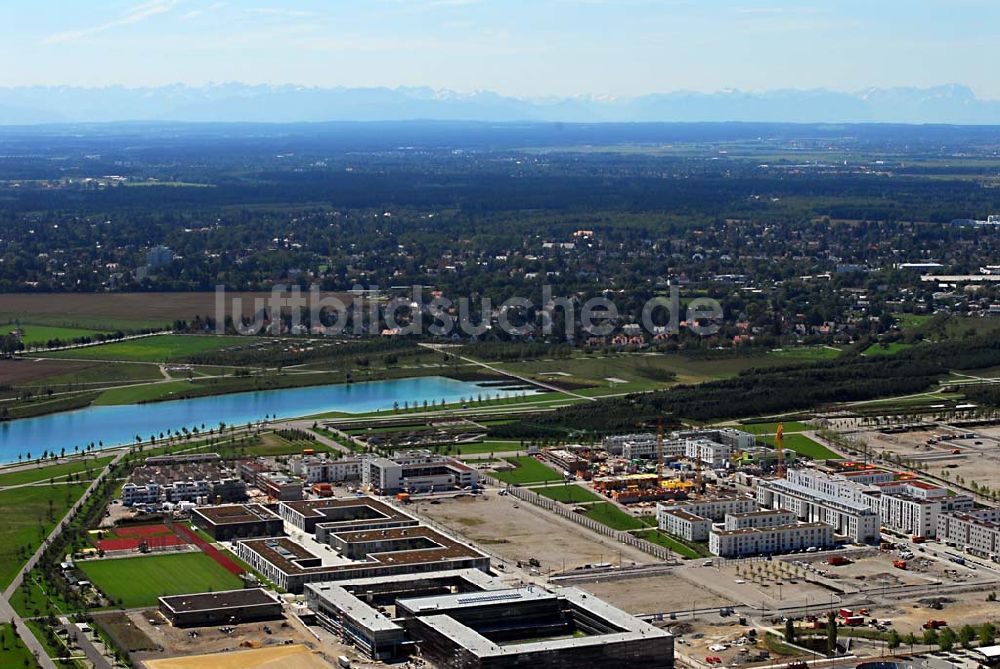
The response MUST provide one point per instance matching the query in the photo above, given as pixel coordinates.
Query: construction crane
(779, 443)
(659, 455)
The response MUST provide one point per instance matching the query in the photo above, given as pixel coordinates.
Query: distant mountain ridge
(234, 102)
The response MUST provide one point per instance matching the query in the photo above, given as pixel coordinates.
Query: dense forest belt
(761, 391)
(909, 198)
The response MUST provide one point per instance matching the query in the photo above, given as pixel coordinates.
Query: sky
(528, 48)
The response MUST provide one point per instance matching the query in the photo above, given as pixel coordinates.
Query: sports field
(529, 470)
(130, 537)
(161, 348)
(139, 581)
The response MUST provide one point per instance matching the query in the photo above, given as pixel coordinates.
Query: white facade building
(712, 453)
(649, 450)
(855, 520)
(714, 509)
(685, 525)
(616, 443)
(977, 532)
(325, 470)
(416, 471)
(728, 436)
(770, 540)
(908, 506)
(758, 519)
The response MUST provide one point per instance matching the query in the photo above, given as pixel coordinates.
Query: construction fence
(559, 509)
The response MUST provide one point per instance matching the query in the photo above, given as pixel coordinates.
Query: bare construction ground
(750, 584)
(519, 531)
(173, 641)
(977, 458)
(280, 657)
(873, 570)
(957, 610)
(654, 594)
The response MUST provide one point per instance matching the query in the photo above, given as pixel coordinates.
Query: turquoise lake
(115, 425)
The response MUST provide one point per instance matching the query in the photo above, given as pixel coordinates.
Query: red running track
(208, 549)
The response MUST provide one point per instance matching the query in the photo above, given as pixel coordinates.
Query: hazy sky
(515, 47)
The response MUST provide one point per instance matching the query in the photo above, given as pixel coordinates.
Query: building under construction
(635, 488)
(466, 619)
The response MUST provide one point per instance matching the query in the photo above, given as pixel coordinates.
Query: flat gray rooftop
(353, 607)
(474, 599)
(632, 629)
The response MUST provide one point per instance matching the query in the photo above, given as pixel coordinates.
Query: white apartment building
(415, 471)
(712, 453)
(831, 486)
(325, 470)
(727, 436)
(759, 519)
(977, 532)
(715, 510)
(869, 476)
(133, 494)
(769, 540)
(642, 445)
(648, 450)
(616, 443)
(685, 525)
(193, 490)
(908, 506)
(855, 520)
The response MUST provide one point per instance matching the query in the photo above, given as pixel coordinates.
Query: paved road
(326, 441)
(88, 647)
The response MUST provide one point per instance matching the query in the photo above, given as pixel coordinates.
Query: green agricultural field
(608, 514)
(771, 428)
(161, 348)
(805, 446)
(139, 581)
(76, 373)
(597, 375)
(29, 515)
(40, 334)
(529, 470)
(47, 471)
(568, 494)
(13, 652)
(891, 348)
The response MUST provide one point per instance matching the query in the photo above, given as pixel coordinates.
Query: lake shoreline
(118, 425)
